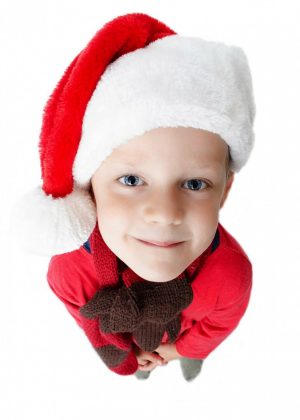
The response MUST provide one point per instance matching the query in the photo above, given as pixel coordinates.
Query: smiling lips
(161, 244)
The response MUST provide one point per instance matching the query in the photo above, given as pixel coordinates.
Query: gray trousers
(190, 369)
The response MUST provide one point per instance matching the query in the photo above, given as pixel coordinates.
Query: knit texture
(117, 312)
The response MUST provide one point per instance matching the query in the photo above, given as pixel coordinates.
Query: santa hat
(135, 74)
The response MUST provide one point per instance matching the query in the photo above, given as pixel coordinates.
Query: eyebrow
(196, 166)
(213, 171)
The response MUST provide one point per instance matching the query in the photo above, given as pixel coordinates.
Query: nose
(164, 207)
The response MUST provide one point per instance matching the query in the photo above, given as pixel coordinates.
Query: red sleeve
(73, 282)
(58, 280)
(206, 334)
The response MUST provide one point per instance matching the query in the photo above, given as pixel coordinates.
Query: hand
(148, 360)
(168, 351)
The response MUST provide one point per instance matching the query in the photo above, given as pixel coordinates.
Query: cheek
(113, 213)
(203, 220)
(206, 208)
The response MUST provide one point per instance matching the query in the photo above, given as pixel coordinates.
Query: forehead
(181, 143)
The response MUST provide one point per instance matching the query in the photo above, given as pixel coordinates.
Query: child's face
(166, 185)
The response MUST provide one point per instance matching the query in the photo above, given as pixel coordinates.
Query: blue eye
(130, 177)
(193, 183)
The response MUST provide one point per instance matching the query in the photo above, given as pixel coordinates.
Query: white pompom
(48, 226)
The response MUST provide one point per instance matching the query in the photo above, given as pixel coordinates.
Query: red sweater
(221, 291)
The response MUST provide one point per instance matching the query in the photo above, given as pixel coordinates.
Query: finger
(148, 366)
(143, 360)
(144, 368)
(155, 358)
(157, 355)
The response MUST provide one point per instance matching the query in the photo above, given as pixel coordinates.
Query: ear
(227, 188)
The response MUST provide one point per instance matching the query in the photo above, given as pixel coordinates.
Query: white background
(48, 368)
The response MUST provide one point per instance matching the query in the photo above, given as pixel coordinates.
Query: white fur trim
(48, 226)
(174, 81)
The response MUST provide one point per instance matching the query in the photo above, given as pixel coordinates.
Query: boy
(145, 268)
(121, 211)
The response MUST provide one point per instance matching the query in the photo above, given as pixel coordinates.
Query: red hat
(109, 94)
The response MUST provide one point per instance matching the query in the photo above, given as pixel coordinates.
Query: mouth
(160, 244)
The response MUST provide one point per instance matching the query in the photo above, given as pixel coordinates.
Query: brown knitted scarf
(127, 305)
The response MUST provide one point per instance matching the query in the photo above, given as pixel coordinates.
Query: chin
(160, 280)
(157, 277)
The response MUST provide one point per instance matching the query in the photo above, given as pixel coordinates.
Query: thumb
(155, 357)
